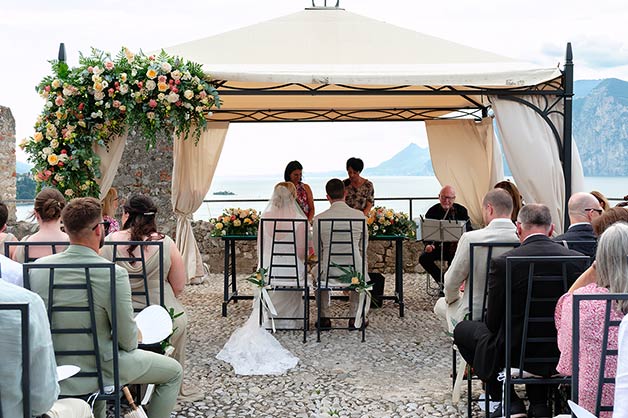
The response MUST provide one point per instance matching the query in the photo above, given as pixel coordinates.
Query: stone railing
(381, 254)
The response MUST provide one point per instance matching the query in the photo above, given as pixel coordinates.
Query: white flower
(47, 151)
(176, 75)
(58, 177)
(69, 192)
(97, 70)
(173, 97)
(124, 89)
(54, 143)
(166, 67)
(99, 95)
(188, 94)
(150, 85)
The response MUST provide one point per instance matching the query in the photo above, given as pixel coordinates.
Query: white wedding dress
(251, 349)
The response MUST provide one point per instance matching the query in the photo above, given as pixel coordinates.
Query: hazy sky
(534, 31)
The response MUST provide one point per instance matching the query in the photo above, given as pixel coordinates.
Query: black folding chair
(609, 327)
(142, 276)
(83, 324)
(22, 308)
(484, 251)
(341, 250)
(55, 246)
(585, 247)
(283, 266)
(548, 278)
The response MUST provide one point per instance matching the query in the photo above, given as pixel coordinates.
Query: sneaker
(540, 411)
(517, 410)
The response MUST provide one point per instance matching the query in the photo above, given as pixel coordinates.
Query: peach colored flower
(151, 73)
(38, 137)
(53, 159)
(162, 86)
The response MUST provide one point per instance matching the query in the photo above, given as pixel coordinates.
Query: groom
(335, 190)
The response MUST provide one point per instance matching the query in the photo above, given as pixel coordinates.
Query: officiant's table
(231, 287)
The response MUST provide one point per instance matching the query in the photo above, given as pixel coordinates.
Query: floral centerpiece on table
(384, 221)
(235, 221)
(102, 98)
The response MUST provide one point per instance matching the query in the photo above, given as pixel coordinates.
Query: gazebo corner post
(61, 56)
(567, 128)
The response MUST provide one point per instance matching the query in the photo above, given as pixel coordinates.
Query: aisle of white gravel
(402, 370)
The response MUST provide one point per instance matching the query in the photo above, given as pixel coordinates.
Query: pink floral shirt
(592, 315)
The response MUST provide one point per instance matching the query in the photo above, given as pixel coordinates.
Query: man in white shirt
(44, 388)
(454, 306)
(11, 271)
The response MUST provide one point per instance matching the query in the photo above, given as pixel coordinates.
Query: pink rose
(59, 101)
(162, 78)
(109, 65)
(152, 103)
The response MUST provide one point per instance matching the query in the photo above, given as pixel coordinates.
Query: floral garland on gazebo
(96, 101)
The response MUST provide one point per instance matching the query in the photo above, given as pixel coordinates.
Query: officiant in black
(445, 209)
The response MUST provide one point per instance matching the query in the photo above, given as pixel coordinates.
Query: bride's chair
(283, 253)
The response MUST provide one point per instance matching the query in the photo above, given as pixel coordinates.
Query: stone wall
(381, 254)
(7, 160)
(148, 172)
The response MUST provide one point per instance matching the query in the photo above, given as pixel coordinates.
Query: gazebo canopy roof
(330, 64)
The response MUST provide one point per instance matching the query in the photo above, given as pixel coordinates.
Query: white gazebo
(327, 64)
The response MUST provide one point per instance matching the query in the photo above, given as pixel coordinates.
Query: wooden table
(231, 288)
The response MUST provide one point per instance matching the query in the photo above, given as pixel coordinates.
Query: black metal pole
(568, 97)
(61, 56)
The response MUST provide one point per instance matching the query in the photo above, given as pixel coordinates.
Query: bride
(251, 349)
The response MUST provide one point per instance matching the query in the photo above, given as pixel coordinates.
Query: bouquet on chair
(235, 221)
(384, 221)
(357, 282)
(261, 293)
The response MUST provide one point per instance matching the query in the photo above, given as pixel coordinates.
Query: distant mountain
(22, 168)
(582, 88)
(410, 161)
(600, 128)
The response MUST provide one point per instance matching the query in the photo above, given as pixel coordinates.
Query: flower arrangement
(101, 98)
(384, 221)
(354, 278)
(235, 221)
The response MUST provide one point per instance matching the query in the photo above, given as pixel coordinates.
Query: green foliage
(26, 186)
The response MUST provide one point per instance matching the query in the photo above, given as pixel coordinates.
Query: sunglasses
(599, 211)
(105, 223)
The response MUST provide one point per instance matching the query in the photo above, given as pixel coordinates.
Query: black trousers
(467, 335)
(428, 260)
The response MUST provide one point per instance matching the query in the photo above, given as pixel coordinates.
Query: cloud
(595, 51)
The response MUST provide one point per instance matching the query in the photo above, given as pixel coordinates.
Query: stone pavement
(402, 370)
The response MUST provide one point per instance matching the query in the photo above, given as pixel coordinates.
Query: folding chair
(484, 251)
(585, 247)
(140, 278)
(287, 261)
(610, 326)
(55, 246)
(548, 278)
(22, 308)
(344, 235)
(82, 325)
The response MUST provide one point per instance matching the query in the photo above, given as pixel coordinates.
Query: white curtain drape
(533, 153)
(192, 174)
(109, 161)
(466, 155)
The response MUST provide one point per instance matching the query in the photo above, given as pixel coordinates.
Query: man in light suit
(335, 190)
(496, 211)
(83, 222)
(583, 209)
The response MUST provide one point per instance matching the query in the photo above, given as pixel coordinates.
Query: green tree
(26, 186)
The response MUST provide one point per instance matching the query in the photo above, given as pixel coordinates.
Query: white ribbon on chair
(364, 302)
(261, 296)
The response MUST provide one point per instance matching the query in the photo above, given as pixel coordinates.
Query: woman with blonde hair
(602, 199)
(513, 191)
(109, 207)
(47, 211)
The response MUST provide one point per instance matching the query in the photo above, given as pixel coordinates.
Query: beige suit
(454, 306)
(340, 210)
(136, 366)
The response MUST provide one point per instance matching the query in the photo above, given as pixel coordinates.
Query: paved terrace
(402, 370)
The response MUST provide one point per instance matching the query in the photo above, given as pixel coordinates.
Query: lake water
(261, 187)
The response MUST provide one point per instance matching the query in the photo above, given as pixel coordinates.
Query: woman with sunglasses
(138, 224)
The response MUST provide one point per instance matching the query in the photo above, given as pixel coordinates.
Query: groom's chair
(341, 242)
(286, 258)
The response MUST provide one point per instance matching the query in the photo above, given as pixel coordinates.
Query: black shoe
(517, 410)
(540, 411)
(325, 323)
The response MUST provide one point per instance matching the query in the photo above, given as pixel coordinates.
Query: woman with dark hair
(305, 199)
(47, 211)
(517, 202)
(138, 224)
(360, 193)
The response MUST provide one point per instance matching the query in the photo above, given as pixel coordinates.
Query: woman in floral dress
(360, 191)
(305, 199)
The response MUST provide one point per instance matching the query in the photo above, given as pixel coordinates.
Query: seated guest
(512, 190)
(138, 224)
(294, 174)
(339, 209)
(602, 200)
(47, 211)
(482, 344)
(583, 208)
(11, 271)
(44, 388)
(4, 236)
(83, 222)
(612, 275)
(496, 208)
(445, 209)
(109, 207)
(360, 191)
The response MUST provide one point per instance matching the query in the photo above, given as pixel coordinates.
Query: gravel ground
(402, 370)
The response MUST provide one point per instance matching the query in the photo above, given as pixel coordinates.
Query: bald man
(583, 208)
(445, 209)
